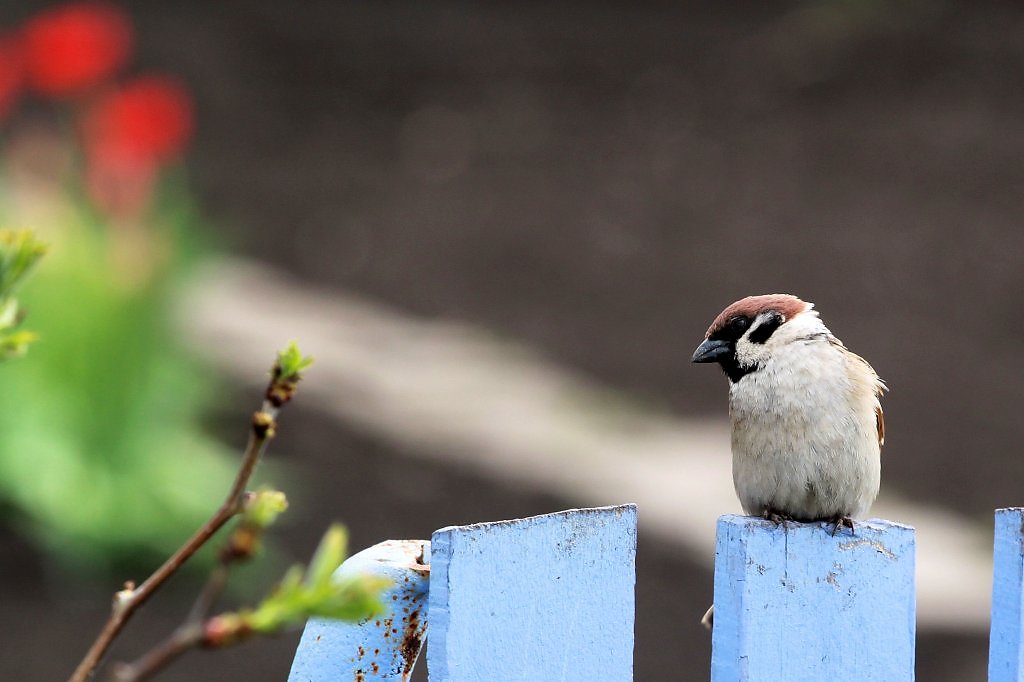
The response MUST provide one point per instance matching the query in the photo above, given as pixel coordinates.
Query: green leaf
(292, 579)
(263, 507)
(351, 599)
(328, 556)
(16, 344)
(295, 599)
(19, 252)
(8, 313)
(290, 362)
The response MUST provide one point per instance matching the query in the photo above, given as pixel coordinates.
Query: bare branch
(284, 378)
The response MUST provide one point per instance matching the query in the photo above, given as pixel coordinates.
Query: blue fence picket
(384, 647)
(542, 598)
(551, 598)
(1005, 662)
(796, 603)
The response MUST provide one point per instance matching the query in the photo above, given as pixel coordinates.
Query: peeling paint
(385, 648)
(878, 547)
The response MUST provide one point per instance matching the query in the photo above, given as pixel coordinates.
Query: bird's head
(749, 332)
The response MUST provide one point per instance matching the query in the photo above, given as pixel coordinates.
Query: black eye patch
(732, 330)
(739, 324)
(765, 330)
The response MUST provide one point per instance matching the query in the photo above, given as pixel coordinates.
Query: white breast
(804, 439)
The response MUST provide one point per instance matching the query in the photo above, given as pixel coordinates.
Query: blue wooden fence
(551, 598)
(383, 648)
(796, 603)
(544, 598)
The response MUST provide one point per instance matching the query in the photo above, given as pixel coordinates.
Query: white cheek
(781, 343)
(749, 354)
(745, 353)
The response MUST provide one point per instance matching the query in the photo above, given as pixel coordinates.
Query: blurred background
(502, 228)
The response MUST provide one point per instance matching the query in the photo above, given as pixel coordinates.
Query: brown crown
(751, 306)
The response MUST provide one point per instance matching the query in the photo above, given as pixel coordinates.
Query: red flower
(73, 47)
(10, 73)
(128, 133)
(149, 117)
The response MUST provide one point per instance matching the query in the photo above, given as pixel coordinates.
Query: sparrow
(805, 416)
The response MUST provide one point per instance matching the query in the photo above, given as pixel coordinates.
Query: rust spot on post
(412, 641)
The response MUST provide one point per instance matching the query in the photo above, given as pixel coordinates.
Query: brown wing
(880, 388)
(880, 425)
(877, 385)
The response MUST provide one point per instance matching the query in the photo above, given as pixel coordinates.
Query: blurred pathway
(443, 387)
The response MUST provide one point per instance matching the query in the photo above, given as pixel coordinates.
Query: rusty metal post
(382, 648)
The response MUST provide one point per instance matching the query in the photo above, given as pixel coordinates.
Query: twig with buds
(302, 593)
(285, 376)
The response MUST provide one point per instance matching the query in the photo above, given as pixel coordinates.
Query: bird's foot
(840, 521)
(775, 517)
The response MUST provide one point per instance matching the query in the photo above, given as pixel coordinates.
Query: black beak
(712, 350)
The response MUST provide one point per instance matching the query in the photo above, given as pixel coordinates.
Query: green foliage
(102, 455)
(290, 362)
(314, 592)
(19, 252)
(263, 508)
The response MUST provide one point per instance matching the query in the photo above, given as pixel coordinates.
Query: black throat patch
(731, 332)
(733, 370)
